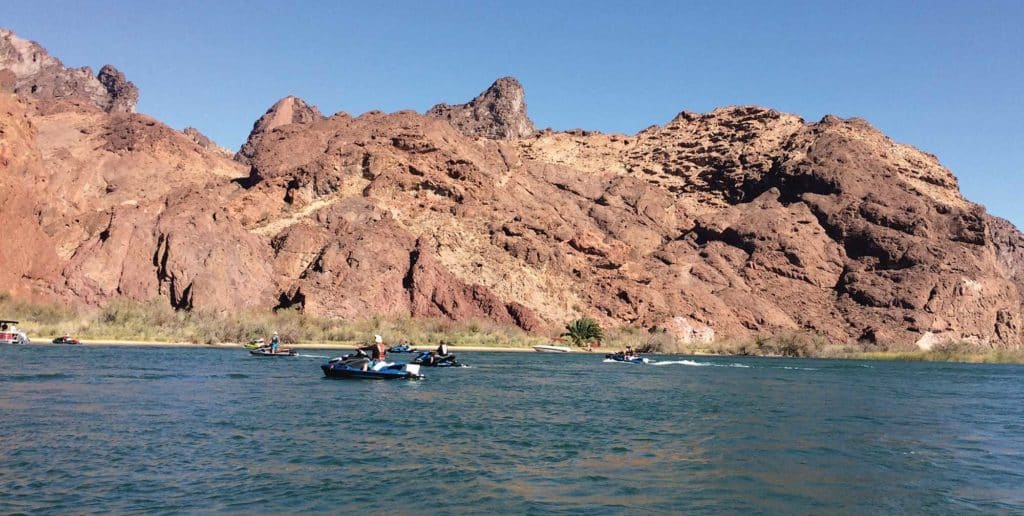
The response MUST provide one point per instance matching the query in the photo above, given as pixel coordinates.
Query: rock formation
(205, 142)
(37, 73)
(289, 110)
(729, 224)
(122, 93)
(497, 113)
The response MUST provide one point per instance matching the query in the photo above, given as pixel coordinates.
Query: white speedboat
(552, 349)
(9, 333)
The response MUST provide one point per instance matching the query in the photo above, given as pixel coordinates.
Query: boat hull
(13, 338)
(631, 360)
(338, 370)
(551, 349)
(260, 353)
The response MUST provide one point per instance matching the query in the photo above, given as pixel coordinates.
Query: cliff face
(726, 224)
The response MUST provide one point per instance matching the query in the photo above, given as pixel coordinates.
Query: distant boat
(9, 333)
(552, 349)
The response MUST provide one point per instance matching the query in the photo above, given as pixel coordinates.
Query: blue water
(98, 429)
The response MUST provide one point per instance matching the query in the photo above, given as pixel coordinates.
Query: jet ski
(265, 352)
(255, 344)
(428, 359)
(401, 348)
(622, 357)
(351, 366)
(66, 340)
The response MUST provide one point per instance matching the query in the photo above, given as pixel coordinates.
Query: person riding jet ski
(440, 357)
(440, 354)
(378, 354)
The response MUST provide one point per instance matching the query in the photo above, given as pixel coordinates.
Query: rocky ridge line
(26, 68)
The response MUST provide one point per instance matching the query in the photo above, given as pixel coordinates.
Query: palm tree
(583, 330)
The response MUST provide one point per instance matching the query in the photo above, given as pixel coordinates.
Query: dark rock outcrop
(498, 113)
(123, 94)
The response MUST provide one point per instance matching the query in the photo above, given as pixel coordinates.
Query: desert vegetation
(155, 321)
(123, 320)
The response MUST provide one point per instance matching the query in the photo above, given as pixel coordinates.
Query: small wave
(237, 375)
(144, 376)
(312, 356)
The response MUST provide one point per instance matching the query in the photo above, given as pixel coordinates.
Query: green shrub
(584, 331)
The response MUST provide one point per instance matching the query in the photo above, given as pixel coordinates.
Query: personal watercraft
(622, 357)
(265, 352)
(255, 344)
(351, 366)
(431, 359)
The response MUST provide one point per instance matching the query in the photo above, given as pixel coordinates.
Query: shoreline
(297, 346)
(994, 357)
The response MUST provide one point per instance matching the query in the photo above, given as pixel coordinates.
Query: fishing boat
(551, 349)
(9, 333)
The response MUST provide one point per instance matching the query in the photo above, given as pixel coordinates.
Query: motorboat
(9, 333)
(552, 349)
(66, 340)
(351, 366)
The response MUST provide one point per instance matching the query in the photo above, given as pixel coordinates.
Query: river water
(101, 429)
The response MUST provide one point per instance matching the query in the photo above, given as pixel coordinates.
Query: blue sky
(946, 77)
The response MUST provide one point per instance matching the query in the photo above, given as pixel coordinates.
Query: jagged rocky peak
(289, 110)
(123, 93)
(28, 69)
(498, 113)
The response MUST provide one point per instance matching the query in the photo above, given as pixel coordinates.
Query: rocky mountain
(729, 224)
(28, 69)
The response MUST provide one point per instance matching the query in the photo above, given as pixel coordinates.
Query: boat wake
(694, 363)
(312, 356)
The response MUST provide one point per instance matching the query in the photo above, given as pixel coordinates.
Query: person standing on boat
(275, 343)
